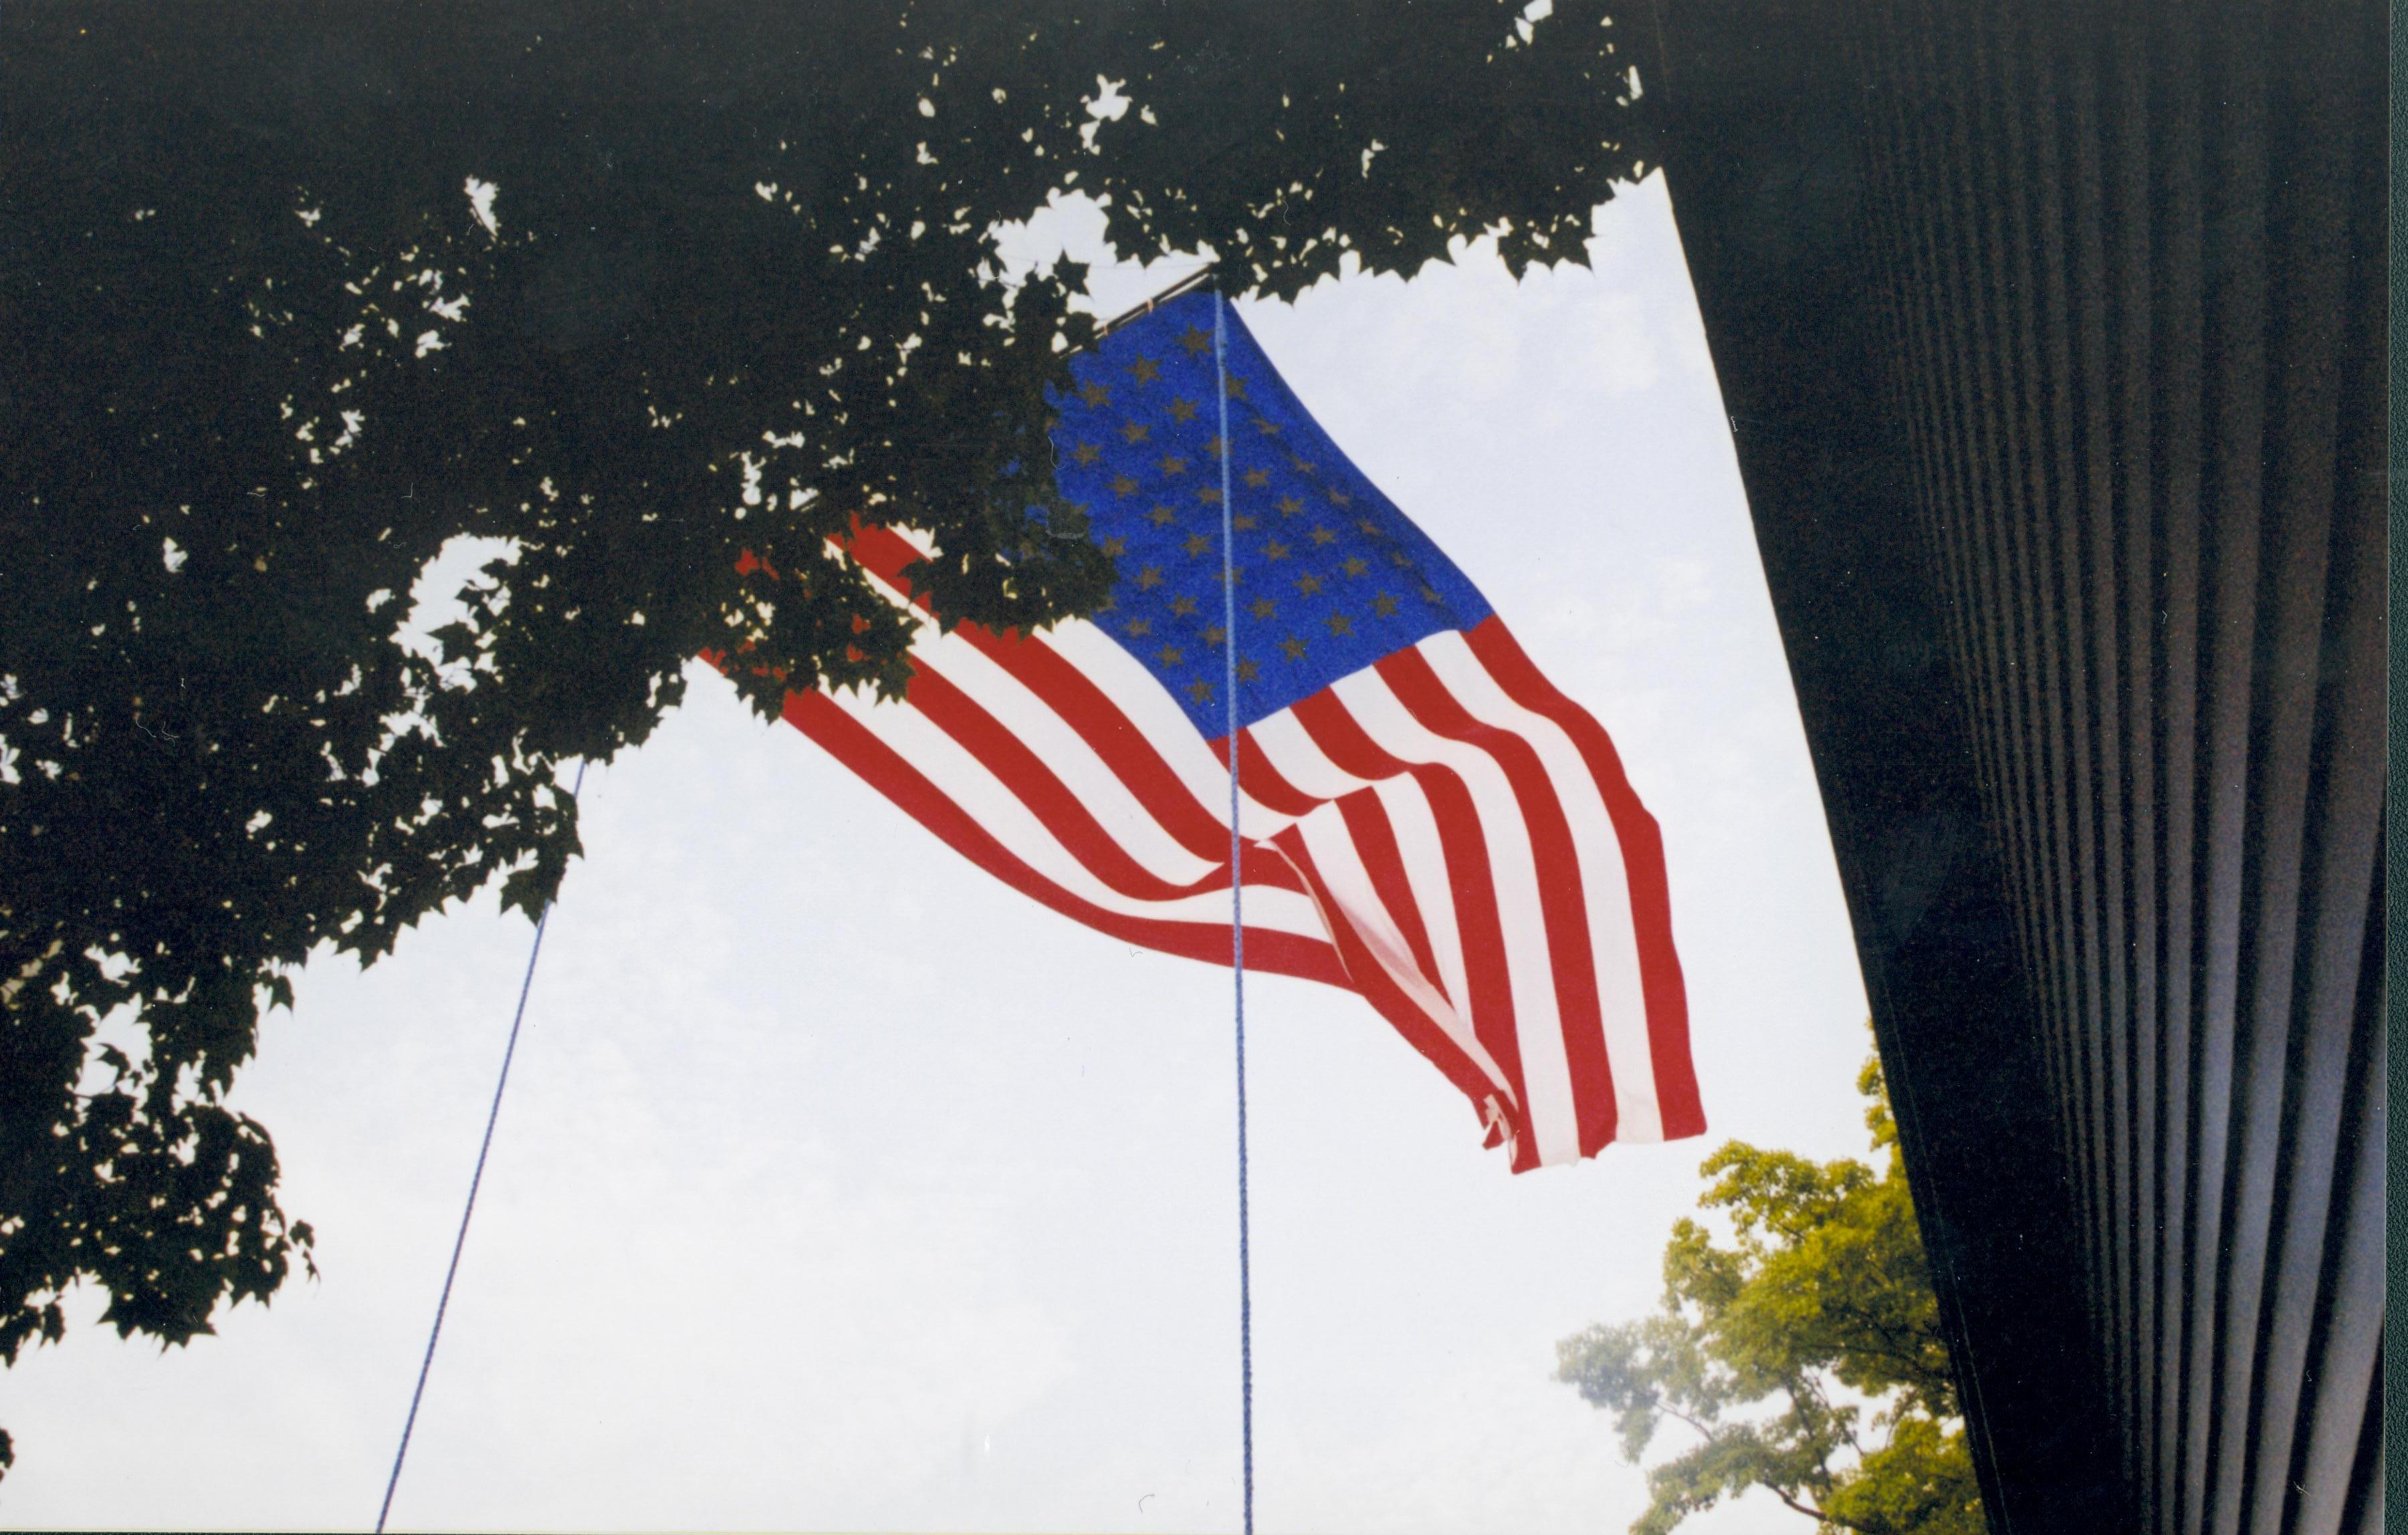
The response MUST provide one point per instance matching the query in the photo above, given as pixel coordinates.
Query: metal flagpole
(1237, 894)
(475, 1180)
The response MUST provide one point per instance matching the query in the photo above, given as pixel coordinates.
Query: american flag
(1427, 821)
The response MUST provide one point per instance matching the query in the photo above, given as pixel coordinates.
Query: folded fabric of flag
(1426, 821)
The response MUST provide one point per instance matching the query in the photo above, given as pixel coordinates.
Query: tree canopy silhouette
(295, 296)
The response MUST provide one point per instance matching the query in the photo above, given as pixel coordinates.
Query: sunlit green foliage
(1801, 1353)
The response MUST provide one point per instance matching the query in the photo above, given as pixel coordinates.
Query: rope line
(460, 1242)
(1237, 897)
(1237, 968)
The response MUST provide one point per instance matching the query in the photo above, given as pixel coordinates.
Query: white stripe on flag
(1341, 864)
(960, 776)
(1158, 718)
(1538, 1019)
(1605, 885)
(1096, 791)
(1090, 780)
(1424, 859)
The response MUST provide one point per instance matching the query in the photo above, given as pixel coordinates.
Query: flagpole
(1237, 896)
(476, 1181)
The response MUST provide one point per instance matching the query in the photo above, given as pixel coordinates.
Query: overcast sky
(838, 1188)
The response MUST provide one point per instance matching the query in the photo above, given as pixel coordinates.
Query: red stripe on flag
(1025, 774)
(1642, 860)
(1098, 714)
(1085, 706)
(1262, 781)
(1375, 843)
(883, 553)
(1479, 929)
(851, 744)
(1563, 904)
(1090, 711)
(1373, 981)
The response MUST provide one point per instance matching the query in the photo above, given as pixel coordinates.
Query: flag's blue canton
(1331, 577)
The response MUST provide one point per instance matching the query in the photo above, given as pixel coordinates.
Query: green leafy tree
(294, 295)
(1804, 1358)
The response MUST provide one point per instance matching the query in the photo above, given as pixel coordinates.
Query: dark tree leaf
(659, 299)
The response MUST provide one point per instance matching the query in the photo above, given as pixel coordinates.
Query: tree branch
(1812, 1512)
(1703, 1431)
